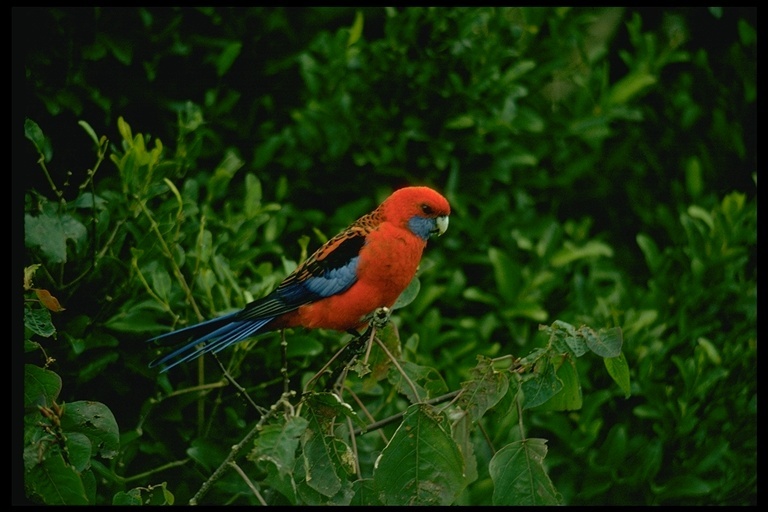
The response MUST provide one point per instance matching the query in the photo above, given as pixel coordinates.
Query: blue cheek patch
(421, 226)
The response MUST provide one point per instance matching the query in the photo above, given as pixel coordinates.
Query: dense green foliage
(594, 299)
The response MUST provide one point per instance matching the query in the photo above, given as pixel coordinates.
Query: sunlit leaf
(604, 342)
(50, 232)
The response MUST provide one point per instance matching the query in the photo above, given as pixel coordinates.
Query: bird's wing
(332, 269)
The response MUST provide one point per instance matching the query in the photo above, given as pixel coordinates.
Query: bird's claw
(380, 317)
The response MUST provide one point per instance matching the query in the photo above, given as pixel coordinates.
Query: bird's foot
(380, 317)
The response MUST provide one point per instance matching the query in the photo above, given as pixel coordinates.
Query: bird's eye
(427, 209)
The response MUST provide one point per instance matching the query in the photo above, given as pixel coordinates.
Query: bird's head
(422, 210)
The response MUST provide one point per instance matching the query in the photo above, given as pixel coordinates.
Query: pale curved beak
(442, 224)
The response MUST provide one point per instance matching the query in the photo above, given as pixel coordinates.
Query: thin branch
(248, 482)
(386, 421)
(240, 389)
(400, 369)
(108, 474)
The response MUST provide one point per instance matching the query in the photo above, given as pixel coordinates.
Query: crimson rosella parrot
(363, 268)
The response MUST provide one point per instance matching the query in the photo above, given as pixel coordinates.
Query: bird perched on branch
(365, 267)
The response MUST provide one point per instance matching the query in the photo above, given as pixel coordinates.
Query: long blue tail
(210, 336)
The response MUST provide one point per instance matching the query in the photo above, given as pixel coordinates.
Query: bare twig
(400, 369)
(248, 482)
(240, 389)
(386, 421)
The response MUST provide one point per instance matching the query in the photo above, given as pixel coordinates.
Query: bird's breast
(390, 259)
(388, 262)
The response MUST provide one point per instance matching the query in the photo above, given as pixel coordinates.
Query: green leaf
(152, 495)
(253, 195)
(460, 122)
(421, 464)
(96, 421)
(328, 463)
(356, 30)
(475, 294)
(484, 391)
(79, 450)
(519, 476)
(530, 310)
(605, 342)
(613, 452)
(379, 363)
(41, 387)
(683, 486)
(565, 338)
(408, 295)
(225, 171)
(50, 232)
(55, 482)
(277, 444)
(630, 86)
(325, 407)
(38, 320)
(365, 493)
(542, 385)
(570, 253)
(227, 57)
(132, 497)
(121, 48)
(141, 317)
(697, 212)
(507, 279)
(427, 381)
(650, 251)
(694, 182)
(327, 460)
(33, 132)
(92, 134)
(97, 365)
(206, 452)
(618, 369)
(161, 282)
(283, 483)
(569, 397)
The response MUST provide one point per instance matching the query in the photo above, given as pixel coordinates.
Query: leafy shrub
(584, 152)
